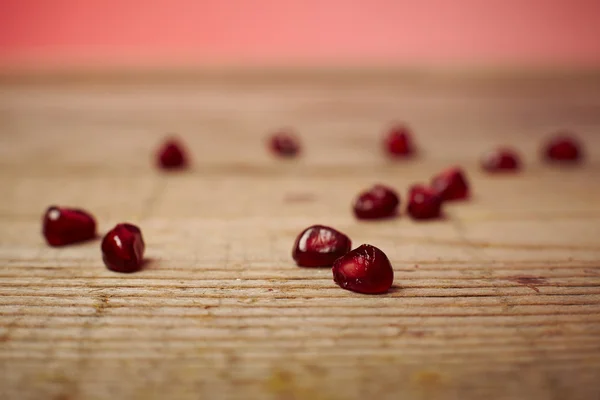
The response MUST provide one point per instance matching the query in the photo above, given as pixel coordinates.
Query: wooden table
(499, 300)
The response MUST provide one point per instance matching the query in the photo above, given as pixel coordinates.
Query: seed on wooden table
(365, 269)
(501, 160)
(284, 144)
(320, 246)
(377, 202)
(172, 155)
(563, 148)
(423, 203)
(451, 184)
(63, 226)
(123, 248)
(398, 142)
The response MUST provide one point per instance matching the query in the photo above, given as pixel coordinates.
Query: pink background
(41, 33)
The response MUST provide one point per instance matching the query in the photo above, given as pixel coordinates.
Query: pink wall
(166, 32)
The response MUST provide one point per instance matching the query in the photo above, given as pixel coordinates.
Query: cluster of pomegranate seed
(365, 269)
(122, 247)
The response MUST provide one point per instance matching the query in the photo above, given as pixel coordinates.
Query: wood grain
(501, 299)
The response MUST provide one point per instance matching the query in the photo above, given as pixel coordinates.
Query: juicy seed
(63, 226)
(451, 184)
(365, 269)
(376, 203)
(320, 246)
(123, 248)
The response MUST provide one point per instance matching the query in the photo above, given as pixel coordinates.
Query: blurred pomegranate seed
(171, 155)
(501, 160)
(284, 144)
(563, 147)
(63, 226)
(365, 269)
(398, 142)
(423, 203)
(377, 202)
(320, 246)
(123, 248)
(451, 184)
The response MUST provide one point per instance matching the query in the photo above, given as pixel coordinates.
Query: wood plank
(501, 299)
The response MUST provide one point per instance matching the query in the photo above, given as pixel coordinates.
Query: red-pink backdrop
(216, 32)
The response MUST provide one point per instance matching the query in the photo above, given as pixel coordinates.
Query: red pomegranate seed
(171, 155)
(377, 202)
(123, 248)
(365, 269)
(500, 160)
(563, 147)
(284, 144)
(423, 203)
(451, 184)
(398, 142)
(320, 246)
(62, 226)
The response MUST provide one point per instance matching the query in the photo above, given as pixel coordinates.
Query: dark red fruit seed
(365, 269)
(500, 160)
(62, 226)
(320, 246)
(378, 202)
(284, 144)
(451, 184)
(171, 155)
(563, 147)
(398, 142)
(123, 248)
(423, 203)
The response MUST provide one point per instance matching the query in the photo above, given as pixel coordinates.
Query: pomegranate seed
(365, 269)
(64, 226)
(398, 142)
(451, 184)
(123, 248)
(285, 144)
(377, 202)
(320, 246)
(501, 160)
(423, 203)
(563, 147)
(171, 155)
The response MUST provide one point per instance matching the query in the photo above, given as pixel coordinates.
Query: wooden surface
(499, 300)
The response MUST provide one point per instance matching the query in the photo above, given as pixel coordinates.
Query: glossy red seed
(284, 144)
(365, 269)
(377, 202)
(423, 203)
(398, 142)
(320, 246)
(451, 184)
(501, 160)
(62, 226)
(563, 147)
(172, 155)
(123, 248)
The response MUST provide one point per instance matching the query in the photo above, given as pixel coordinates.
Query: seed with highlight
(63, 226)
(320, 246)
(365, 269)
(123, 248)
